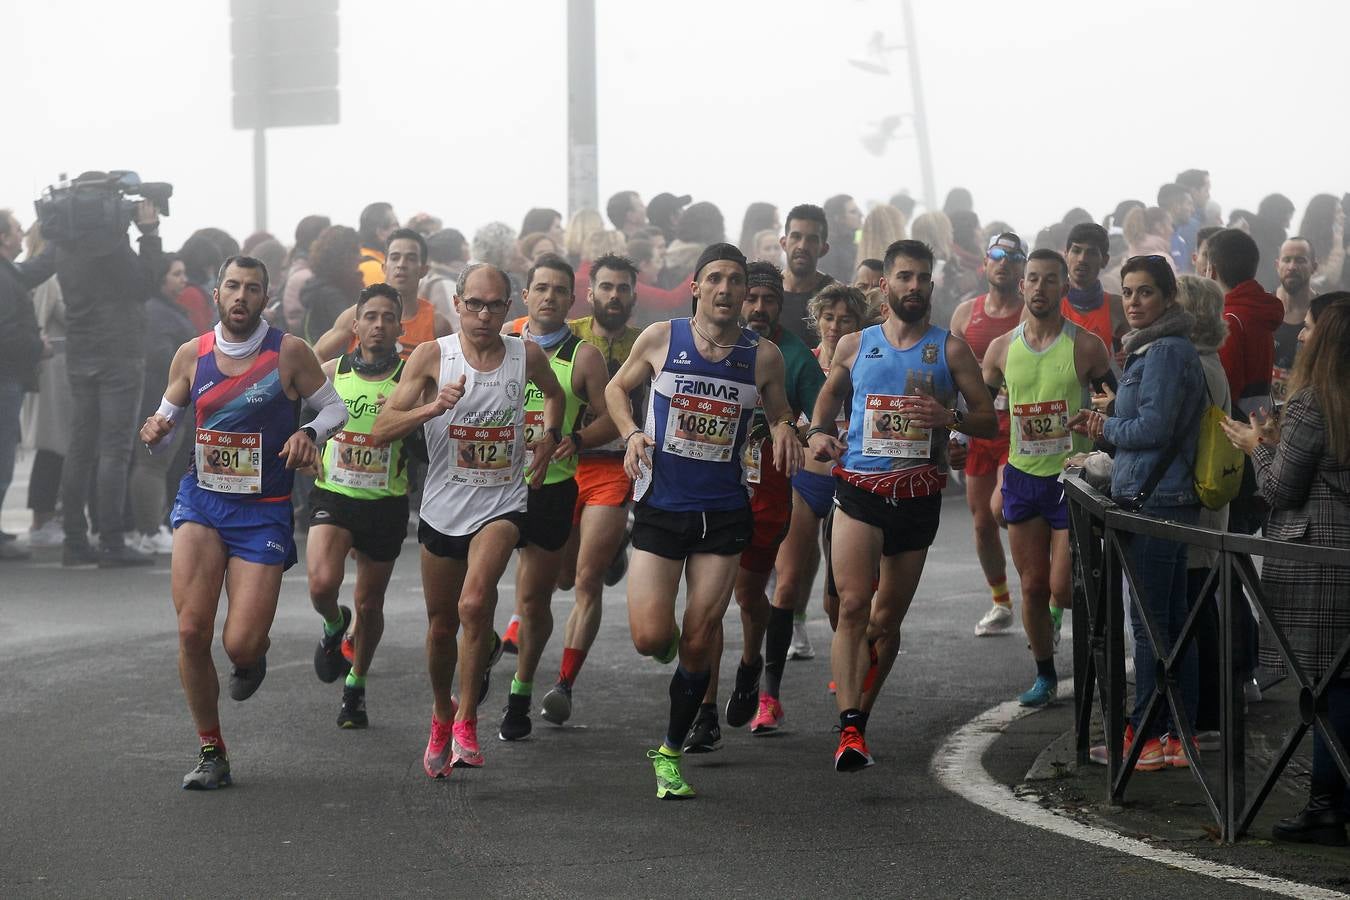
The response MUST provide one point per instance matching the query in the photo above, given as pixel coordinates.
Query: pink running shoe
(464, 746)
(436, 761)
(770, 716)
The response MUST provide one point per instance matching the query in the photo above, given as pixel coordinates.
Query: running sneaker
(329, 663)
(1174, 751)
(672, 651)
(997, 621)
(52, 534)
(557, 706)
(353, 711)
(1151, 756)
(348, 648)
(437, 761)
(833, 687)
(159, 543)
(245, 682)
(743, 702)
(618, 566)
(515, 718)
(800, 648)
(852, 754)
(670, 784)
(1041, 693)
(511, 637)
(212, 771)
(498, 646)
(464, 746)
(705, 734)
(1209, 741)
(769, 717)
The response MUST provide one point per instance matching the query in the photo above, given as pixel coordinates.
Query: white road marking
(958, 765)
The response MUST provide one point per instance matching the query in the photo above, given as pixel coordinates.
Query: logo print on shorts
(930, 354)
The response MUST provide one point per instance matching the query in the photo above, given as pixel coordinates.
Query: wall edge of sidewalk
(958, 765)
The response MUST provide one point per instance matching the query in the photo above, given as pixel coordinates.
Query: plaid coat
(1309, 493)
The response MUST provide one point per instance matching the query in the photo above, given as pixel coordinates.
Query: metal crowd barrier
(1100, 531)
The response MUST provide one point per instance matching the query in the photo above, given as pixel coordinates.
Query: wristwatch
(555, 433)
(313, 435)
(958, 418)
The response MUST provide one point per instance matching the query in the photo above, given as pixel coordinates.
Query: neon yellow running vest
(561, 359)
(1043, 394)
(354, 465)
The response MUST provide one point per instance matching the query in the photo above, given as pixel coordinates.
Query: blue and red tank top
(699, 414)
(242, 422)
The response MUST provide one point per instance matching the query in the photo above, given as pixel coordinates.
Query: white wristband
(169, 410)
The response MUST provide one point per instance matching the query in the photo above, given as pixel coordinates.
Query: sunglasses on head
(998, 254)
(1149, 256)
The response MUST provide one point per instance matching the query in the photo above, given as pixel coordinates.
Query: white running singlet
(477, 449)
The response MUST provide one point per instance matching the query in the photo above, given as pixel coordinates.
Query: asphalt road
(95, 737)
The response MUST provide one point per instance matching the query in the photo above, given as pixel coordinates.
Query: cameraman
(105, 285)
(21, 349)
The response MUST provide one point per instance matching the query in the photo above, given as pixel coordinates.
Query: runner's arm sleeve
(332, 412)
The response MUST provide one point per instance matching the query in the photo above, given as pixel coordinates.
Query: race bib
(534, 425)
(229, 463)
(750, 459)
(482, 455)
(700, 428)
(1042, 428)
(1279, 384)
(358, 462)
(886, 432)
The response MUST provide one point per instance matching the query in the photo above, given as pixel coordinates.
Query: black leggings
(44, 482)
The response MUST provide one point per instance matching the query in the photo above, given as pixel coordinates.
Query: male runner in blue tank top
(904, 376)
(232, 515)
(693, 509)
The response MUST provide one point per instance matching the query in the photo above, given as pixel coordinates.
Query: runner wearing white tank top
(466, 391)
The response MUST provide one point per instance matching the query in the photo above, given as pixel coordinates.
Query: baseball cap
(662, 208)
(1008, 242)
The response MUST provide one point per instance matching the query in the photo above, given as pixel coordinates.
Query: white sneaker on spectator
(50, 535)
(998, 620)
(800, 648)
(160, 542)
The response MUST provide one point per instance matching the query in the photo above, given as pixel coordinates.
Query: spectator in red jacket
(1252, 314)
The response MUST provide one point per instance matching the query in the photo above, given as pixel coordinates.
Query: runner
(404, 262)
(889, 481)
(594, 555)
(580, 370)
(1046, 365)
(977, 322)
(467, 390)
(359, 504)
(771, 507)
(232, 515)
(693, 514)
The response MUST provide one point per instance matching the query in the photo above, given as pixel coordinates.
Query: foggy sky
(459, 109)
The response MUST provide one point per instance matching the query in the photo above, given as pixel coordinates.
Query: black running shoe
(515, 718)
(706, 734)
(244, 682)
(212, 771)
(558, 704)
(496, 654)
(329, 663)
(618, 566)
(353, 711)
(744, 700)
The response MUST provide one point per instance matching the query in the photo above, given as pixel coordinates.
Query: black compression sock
(686, 694)
(1046, 669)
(776, 642)
(853, 718)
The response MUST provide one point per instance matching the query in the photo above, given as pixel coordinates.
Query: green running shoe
(672, 651)
(670, 784)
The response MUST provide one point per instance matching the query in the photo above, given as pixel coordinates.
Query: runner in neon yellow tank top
(580, 370)
(1047, 365)
(360, 503)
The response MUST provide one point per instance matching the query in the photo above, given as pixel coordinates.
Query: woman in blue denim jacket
(1161, 394)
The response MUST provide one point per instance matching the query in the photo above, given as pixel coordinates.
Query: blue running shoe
(1042, 692)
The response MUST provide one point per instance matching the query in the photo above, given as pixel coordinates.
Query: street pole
(920, 116)
(582, 165)
(259, 179)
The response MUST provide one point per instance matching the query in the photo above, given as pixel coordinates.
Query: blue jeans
(103, 426)
(11, 401)
(1160, 566)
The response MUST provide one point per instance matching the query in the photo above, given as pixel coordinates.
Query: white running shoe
(160, 542)
(801, 643)
(997, 621)
(50, 535)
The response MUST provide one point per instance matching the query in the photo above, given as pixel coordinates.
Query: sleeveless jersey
(1097, 321)
(477, 449)
(242, 421)
(353, 464)
(615, 351)
(699, 415)
(983, 328)
(1044, 392)
(561, 359)
(883, 444)
(417, 330)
